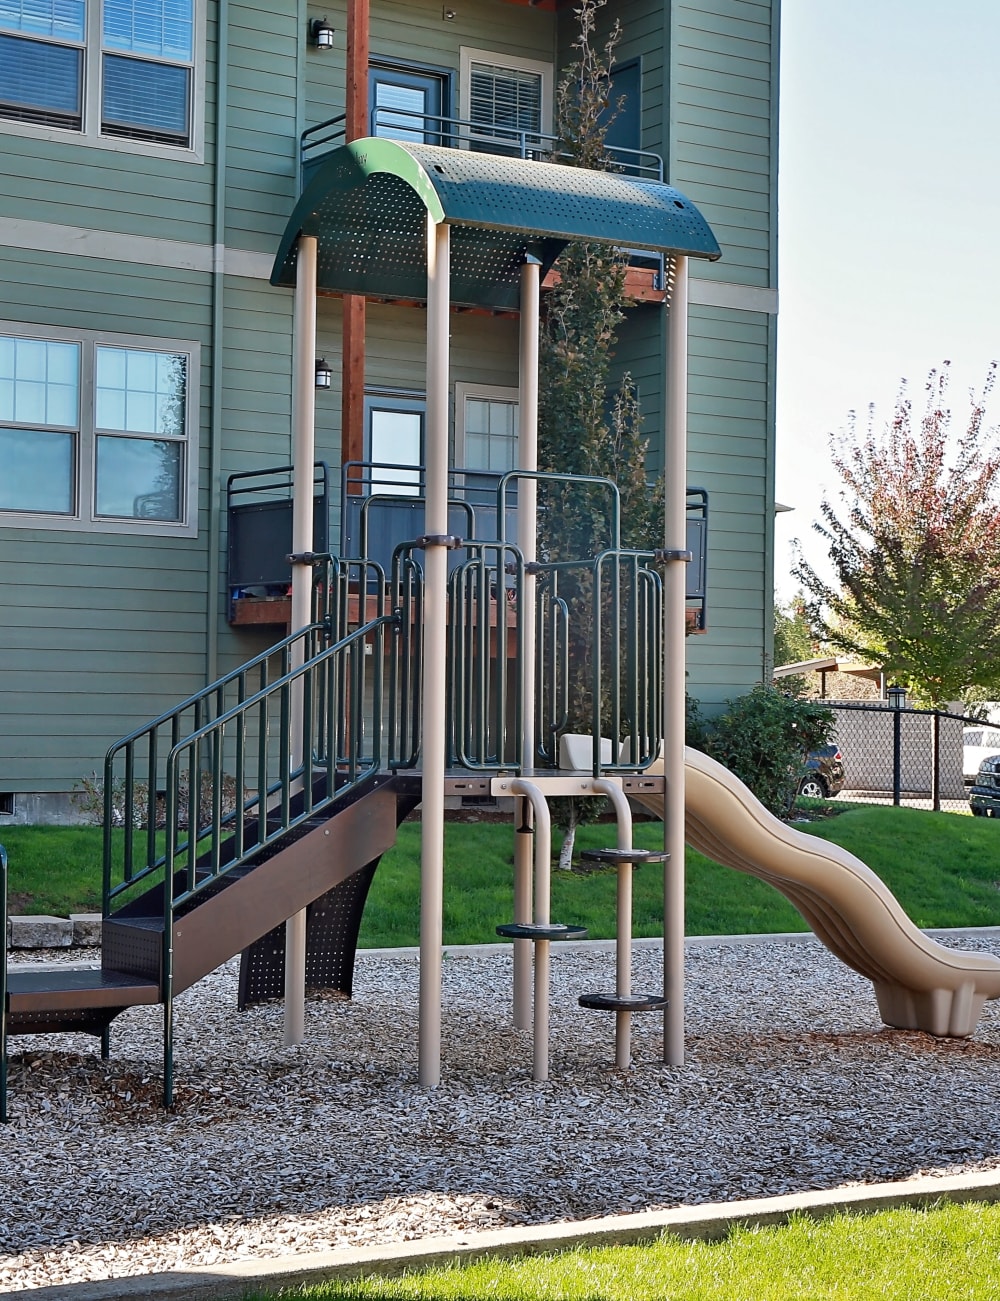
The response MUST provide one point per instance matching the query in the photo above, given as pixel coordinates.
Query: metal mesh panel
(134, 945)
(332, 924)
(367, 205)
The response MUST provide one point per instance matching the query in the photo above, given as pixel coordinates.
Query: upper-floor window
(508, 101)
(408, 103)
(104, 68)
(97, 433)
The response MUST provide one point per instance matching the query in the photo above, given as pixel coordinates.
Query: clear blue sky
(889, 223)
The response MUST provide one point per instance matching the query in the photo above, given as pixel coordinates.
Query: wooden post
(352, 409)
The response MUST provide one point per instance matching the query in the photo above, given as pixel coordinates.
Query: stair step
(76, 988)
(624, 1002)
(633, 856)
(538, 931)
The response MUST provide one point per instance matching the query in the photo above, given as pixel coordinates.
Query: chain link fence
(901, 756)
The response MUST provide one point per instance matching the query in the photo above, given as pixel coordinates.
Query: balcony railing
(461, 133)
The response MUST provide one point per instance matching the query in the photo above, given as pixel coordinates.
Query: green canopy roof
(367, 205)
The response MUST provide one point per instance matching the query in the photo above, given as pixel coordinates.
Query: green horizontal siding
(730, 453)
(723, 97)
(265, 49)
(106, 629)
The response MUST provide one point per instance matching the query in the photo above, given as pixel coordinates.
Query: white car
(978, 743)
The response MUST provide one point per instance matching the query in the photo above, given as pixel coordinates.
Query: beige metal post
(675, 587)
(523, 848)
(434, 657)
(527, 531)
(623, 920)
(303, 457)
(543, 871)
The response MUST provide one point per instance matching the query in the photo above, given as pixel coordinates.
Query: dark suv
(825, 773)
(984, 797)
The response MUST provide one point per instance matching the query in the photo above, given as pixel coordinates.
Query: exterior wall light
(321, 34)
(324, 375)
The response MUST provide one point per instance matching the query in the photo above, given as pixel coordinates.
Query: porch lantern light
(321, 35)
(324, 375)
(896, 697)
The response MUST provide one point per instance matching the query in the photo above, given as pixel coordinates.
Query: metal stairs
(316, 860)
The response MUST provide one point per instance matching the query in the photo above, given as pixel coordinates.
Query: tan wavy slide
(919, 984)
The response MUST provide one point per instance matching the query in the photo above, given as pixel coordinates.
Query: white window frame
(468, 56)
(485, 393)
(89, 133)
(85, 518)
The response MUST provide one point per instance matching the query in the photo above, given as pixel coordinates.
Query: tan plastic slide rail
(919, 984)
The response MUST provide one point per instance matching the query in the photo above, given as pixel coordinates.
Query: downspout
(218, 309)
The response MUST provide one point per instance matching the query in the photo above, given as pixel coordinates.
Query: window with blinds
(506, 101)
(114, 68)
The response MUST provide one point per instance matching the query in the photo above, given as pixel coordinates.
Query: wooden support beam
(356, 89)
(352, 432)
(352, 417)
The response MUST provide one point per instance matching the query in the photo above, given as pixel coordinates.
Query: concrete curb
(691, 944)
(707, 1222)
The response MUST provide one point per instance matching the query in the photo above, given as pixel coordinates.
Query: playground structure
(251, 818)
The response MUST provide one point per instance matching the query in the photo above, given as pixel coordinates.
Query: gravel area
(791, 1082)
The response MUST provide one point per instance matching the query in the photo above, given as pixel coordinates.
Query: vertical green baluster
(308, 688)
(151, 797)
(128, 808)
(108, 837)
(262, 715)
(284, 755)
(481, 659)
(218, 775)
(378, 652)
(239, 818)
(357, 656)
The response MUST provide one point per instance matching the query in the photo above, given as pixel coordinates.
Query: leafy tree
(793, 635)
(914, 553)
(793, 640)
(580, 432)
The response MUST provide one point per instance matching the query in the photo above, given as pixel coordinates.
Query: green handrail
(134, 766)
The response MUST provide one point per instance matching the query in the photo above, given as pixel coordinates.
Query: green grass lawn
(944, 869)
(947, 1253)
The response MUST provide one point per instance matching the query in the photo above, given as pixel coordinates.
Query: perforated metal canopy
(367, 204)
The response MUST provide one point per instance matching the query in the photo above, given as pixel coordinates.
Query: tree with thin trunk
(915, 549)
(581, 430)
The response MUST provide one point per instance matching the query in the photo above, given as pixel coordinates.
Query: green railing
(305, 739)
(621, 594)
(135, 776)
(485, 651)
